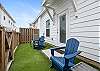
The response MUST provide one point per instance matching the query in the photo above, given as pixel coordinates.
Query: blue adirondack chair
(66, 62)
(39, 44)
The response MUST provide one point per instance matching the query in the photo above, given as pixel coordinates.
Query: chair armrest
(35, 40)
(52, 50)
(57, 48)
(72, 55)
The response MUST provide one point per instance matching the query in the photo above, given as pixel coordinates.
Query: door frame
(67, 26)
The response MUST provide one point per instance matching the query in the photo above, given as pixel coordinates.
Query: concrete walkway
(48, 53)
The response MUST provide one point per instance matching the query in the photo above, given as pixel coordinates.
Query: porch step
(82, 67)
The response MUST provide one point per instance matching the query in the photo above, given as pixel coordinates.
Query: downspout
(75, 5)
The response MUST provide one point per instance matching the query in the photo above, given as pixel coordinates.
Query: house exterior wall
(42, 20)
(5, 23)
(85, 28)
(36, 24)
(83, 25)
(60, 7)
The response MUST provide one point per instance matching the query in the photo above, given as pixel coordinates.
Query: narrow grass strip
(29, 59)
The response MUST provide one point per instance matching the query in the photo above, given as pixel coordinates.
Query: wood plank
(90, 56)
(92, 6)
(90, 23)
(89, 2)
(87, 13)
(86, 28)
(88, 44)
(88, 40)
(86, 34)
(88, 18)
(90, 51)
(83, 67)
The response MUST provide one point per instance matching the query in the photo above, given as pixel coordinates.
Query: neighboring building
(35, 25)
(44, 24)
(6, 20)
(73, 18)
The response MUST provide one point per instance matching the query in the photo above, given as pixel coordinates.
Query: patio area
(29, 59)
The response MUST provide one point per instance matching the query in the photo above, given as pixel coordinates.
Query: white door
(62, 28)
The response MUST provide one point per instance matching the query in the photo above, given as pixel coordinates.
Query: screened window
(4, 17)
(48, 28)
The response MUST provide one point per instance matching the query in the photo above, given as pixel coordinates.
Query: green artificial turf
(29, 59)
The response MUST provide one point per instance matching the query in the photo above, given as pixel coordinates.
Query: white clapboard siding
(89, 2)
(81, 1)
(91, 28)
(88, 44)
(89, 23)
(44, 18)
(88, 18)
(90, 56)
(94, 5)
(88, 50)
(88, 13)
(88, 8)
(87, 34)
(86, 28)
(88, 40)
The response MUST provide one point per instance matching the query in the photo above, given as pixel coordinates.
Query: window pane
(63, 29)
(48, 28)
(48, 24)
(47, 32)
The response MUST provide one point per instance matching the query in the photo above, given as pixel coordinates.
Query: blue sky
(23, 11)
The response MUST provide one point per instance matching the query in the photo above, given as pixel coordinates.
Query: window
(48, 28)
(4, 18)
(63, 28)
(9, 21)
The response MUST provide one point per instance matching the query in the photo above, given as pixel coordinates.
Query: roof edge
(1, 6)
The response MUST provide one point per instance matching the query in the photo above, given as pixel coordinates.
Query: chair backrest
(71, 47)
(41, 41)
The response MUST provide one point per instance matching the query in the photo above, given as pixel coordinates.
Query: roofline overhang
(73, 1)
(44, 3)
